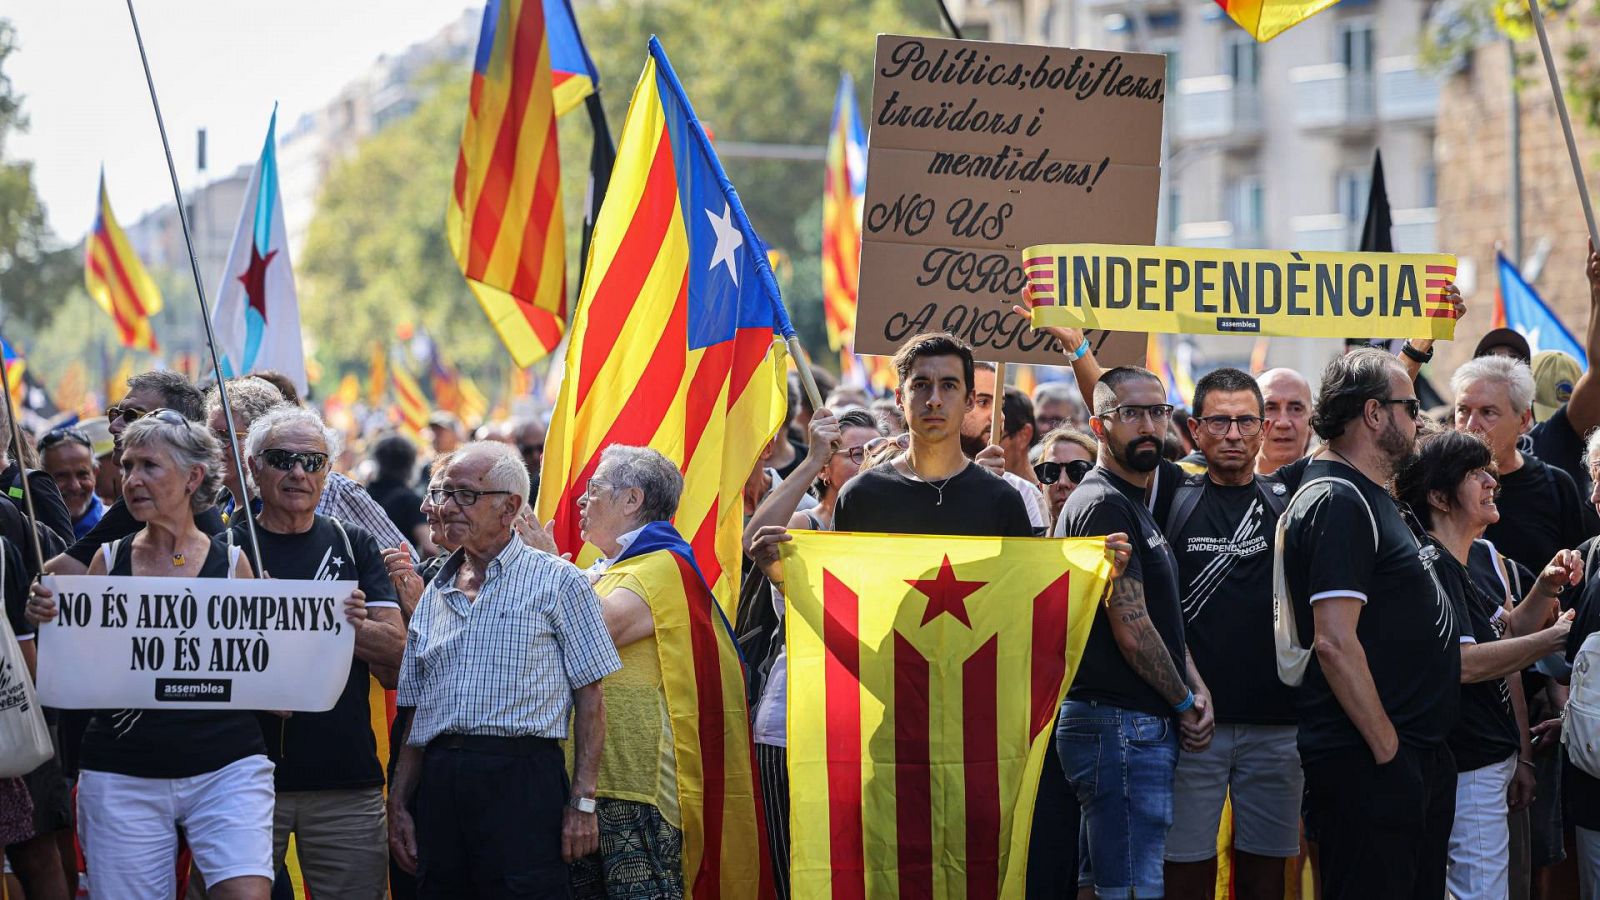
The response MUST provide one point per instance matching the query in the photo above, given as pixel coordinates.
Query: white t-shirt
(1033, 498)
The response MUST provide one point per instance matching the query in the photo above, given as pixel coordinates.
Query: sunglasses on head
(131, 414)
(285, 460)
(1051, 472)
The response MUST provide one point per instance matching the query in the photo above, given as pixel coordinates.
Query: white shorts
(129, 827)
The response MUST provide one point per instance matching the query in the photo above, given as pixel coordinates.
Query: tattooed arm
(1139, 641)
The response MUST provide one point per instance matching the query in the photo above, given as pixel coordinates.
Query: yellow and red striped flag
(117, 280)
(844, 190)
(505, 222)
(409, 401)
(924, 677)
(1266, 19)
(377, 377)
(718, 793)
(674, 342)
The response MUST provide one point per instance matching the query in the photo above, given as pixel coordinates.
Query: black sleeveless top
(165, 743)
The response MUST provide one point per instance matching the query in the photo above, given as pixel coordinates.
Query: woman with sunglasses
(1450, 487)
(1065, 456)
(147, 775)
(838, 449)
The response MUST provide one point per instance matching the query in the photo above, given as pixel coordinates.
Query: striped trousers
(773, 763)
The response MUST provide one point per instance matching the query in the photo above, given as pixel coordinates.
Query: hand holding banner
(1256, 292)
(187, 643)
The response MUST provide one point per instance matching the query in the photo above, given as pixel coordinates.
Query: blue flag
(1529, 316)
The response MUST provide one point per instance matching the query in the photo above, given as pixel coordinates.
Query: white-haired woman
(329, 781)
(147, 774)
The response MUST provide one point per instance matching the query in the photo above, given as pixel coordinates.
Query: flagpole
(997, 405)
(1566, 122)
(200, 292)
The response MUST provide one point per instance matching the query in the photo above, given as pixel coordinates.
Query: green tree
(376, 253)
(34, 270)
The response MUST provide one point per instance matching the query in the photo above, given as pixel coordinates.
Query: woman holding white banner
(146, 772)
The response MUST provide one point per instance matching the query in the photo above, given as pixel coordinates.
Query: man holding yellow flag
(941, 693)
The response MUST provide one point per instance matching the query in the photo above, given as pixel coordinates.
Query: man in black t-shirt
(1221, 525)
(1541, 512)
(1136, 690)
(1381, 686)
(328, 778)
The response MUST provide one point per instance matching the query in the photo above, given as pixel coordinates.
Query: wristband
(1528, 763)
(1081, 352)
(1186, 705)
(1419, 356)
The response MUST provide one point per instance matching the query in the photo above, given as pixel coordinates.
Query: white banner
(195, 643)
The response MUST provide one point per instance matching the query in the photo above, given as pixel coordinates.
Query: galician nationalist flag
(924, 678)
(257, 316)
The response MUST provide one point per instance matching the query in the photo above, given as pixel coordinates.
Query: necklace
(177, 559)
(939, 487)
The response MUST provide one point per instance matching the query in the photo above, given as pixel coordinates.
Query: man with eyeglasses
(1137, 693)
(328, 778)
(1221, 525)
(505, 642)
(1372, 641)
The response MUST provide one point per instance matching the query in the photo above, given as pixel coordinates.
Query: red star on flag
(946, 594)
(254, 280)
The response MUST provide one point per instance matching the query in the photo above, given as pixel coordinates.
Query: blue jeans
(1121, 765)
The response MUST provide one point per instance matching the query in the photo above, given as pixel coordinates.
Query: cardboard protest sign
(976, 150)
(195, 643)
(1257, 292)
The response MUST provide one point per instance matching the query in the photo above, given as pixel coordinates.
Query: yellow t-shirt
(637, 761)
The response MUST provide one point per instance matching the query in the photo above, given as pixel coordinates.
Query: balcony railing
(1414, 231)
(1330, 96)
(1405, 92)
(1215, 107)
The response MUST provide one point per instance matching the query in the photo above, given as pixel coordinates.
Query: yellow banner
(1274, 293)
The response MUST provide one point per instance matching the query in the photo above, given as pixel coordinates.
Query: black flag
(602, 156)
(1377, 232)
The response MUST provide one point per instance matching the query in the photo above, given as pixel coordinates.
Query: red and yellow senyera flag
(924, 676)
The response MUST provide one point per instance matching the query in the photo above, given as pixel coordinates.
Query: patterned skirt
(641, 855)
(16, 812)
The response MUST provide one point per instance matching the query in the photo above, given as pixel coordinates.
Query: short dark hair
(1348, 383)
(283, 384)
(175, 390)
(1105, 390)
(859, 418)
(395, 456)
(935, 343)
(1017, 411)
(1227, 381)
(1442, 462)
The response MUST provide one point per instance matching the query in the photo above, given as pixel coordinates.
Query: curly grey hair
(190, 444)
(283, 416)
(648, 470)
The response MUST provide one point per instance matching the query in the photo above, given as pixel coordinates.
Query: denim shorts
(1120, 763)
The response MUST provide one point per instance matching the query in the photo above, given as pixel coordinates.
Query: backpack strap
(1184, 501)
(1291, 657)
(1274, 499)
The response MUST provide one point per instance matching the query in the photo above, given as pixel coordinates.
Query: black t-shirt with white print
(1407, 626)
(1224, 552)
(169, 743)
(336, 749)
(1105, 504)
(1486, 733)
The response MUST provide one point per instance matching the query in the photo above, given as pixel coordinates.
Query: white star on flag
(729, 240)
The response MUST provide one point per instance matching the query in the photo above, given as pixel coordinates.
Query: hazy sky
(218, 64)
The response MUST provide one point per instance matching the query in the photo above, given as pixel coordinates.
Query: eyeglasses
(285, 460)
(128, 414)
(1048, 424)
(1413, 405)
(1249, 426)
(1051, 472)
(1157, 413)
(902, 441)
(462, 496)
(857, 455)
(223, 435)
(62, 436)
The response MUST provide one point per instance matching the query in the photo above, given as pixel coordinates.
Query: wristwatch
(582, 804)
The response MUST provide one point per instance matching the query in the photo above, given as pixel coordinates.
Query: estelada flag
(504, 222)
(924, 676)
(1266, 19)
(718, 794)
(674, 343)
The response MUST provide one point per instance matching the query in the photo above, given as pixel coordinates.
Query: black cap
(1504, 337)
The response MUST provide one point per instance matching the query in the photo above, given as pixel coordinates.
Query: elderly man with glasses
(505, 642)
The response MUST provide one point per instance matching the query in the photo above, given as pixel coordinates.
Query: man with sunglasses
(327, 775)
(1221, 525)
(1372, 641)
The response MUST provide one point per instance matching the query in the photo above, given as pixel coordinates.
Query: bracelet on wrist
(1526, 762)
(1419, 356)
(1186, 705)
(1081, 352)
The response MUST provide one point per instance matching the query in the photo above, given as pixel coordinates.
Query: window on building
(1430, 186)
(1355, 46)
(1351, 188)
(1246, 206)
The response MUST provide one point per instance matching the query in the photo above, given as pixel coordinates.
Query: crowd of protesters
(1345, 618)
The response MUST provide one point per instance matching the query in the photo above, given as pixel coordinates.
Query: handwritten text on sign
(195, 643)
(977, 150)
(1257, 292)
